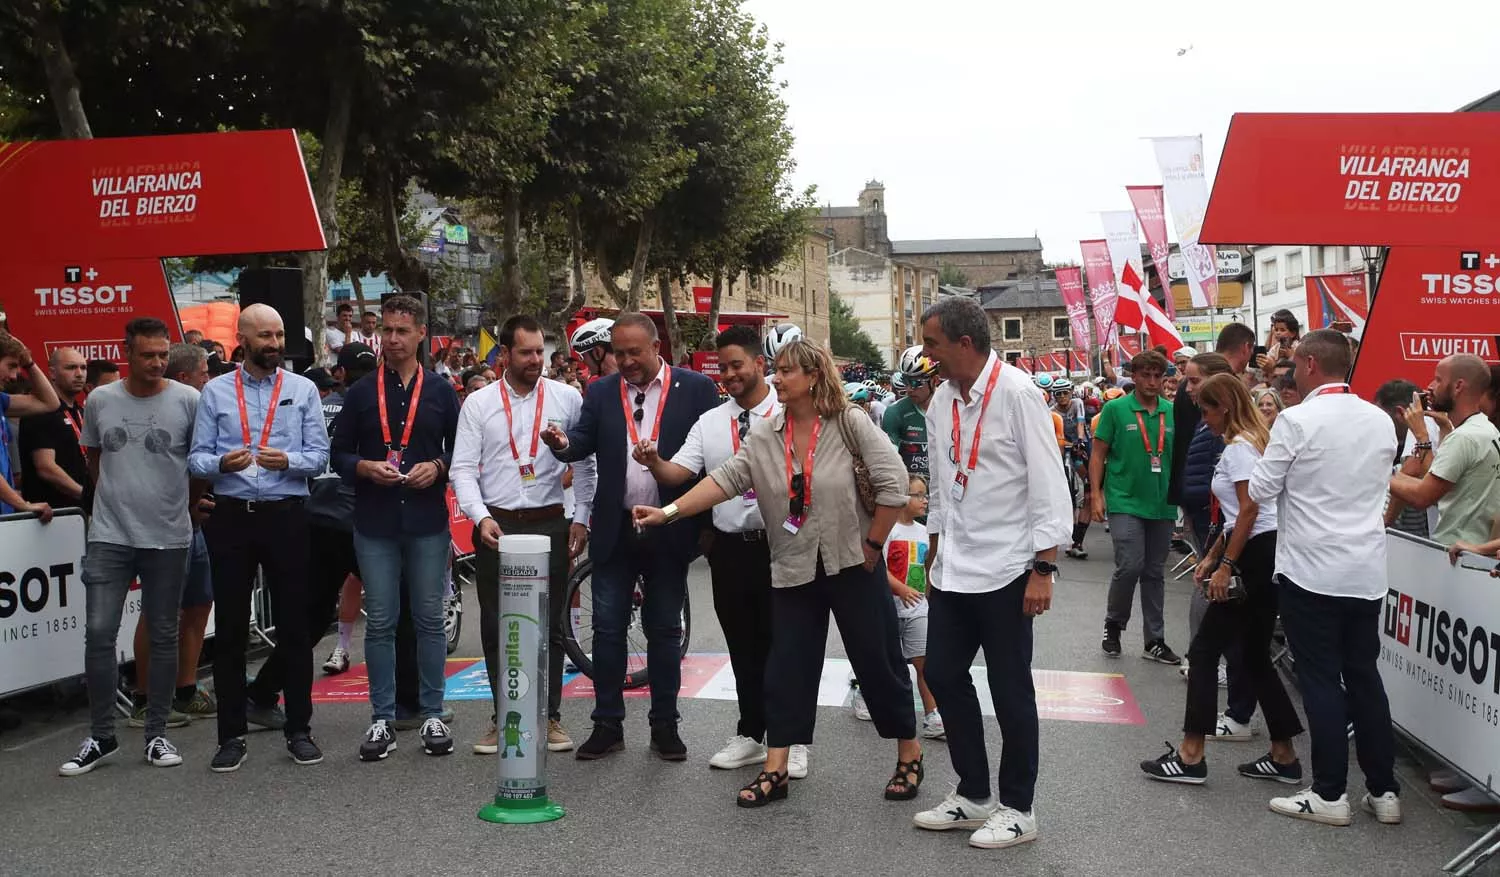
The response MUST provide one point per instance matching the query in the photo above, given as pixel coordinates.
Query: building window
(1011, 329)
(1292, 277)
(1266, 276)
(1061, 330)
(1012, 356)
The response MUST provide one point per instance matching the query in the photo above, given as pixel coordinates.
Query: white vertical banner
(1123, 237)
(1181, 163)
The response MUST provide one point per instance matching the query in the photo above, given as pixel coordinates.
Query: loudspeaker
(281, 288)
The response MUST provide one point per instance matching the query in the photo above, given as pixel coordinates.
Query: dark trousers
(958, 626)
(331, 560)
(1241, 703)
(1337, 639)
(861, 604)
(1246, 625)
(272, 538)
(741, 571)
(487, 583)
(665, 574)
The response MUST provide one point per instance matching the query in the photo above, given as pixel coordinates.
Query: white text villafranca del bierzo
(114, 186)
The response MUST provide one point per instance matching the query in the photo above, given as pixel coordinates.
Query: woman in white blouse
(1236, 577)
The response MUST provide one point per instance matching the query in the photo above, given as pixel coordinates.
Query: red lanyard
(734, 425)
(1328, 390)
(510, 424)
(808, 455)
(661, 405)
(239, 392)
(1161, 433)
(984, 406)
(75, 421)
(411, 413)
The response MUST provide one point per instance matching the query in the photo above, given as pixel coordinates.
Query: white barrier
(42, 607)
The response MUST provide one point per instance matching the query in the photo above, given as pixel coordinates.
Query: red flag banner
(1070, 285)
(180, 195)
(1337, 298)
(1124, 240)
(1102, 296)
(1150, 209)
(1408, 179)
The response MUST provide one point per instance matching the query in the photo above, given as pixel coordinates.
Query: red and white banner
(85, 305)
(1339, 298)
(1407, 179)
(1151, 211)
(703, 299)
(1062, 363)
(1181, 163)
(1102, 296)
(1124, 241)
(1070, 285)
(77, 201)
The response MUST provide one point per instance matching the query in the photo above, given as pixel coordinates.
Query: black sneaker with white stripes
(1267, 768)
(1157, 651)
(1170, 768)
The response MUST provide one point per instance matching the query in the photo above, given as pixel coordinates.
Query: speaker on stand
(281, 288)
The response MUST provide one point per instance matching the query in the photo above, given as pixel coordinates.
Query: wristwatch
(875, 545)
(1044, 567)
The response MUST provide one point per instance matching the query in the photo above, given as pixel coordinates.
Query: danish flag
(1137, 310)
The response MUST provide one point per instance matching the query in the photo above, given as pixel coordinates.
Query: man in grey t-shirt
(137, 433)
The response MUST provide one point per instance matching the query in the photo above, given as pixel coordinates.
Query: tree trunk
(359, 292)
(409, 274)
(62, 79)
(669, 316)
(511, 291)
(638, 267)
(601, 268)
(565, 298)
(325, 198)
(708, 340)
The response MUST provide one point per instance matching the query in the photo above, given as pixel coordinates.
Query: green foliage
(952, 275)
(846, 337)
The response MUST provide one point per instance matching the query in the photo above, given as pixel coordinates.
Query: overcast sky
(995, 119)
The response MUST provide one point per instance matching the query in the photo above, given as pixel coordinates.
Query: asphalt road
(633, 814)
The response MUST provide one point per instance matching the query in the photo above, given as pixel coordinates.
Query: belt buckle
(753, 535)
(250, 506)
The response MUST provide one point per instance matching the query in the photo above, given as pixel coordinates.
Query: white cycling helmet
(898, 381)
(915, 364)
(1062, 385)
(594, 333)
(779, 336)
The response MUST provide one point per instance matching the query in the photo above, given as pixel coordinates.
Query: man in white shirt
(505, 481)
(335, 337)
(999, 509)
(739, 557)
(1327, 465)
(368, 332)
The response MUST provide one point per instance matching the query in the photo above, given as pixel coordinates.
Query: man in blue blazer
(645, 403)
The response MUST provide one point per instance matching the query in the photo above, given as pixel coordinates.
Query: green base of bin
(529, 812)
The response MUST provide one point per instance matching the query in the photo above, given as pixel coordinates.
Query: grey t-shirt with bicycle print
(142, 496)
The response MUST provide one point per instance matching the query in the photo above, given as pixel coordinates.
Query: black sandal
(779, 785)
(901, 787)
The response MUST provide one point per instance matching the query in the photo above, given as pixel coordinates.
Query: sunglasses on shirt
(798, 501)
(640, 407)
(744, 421)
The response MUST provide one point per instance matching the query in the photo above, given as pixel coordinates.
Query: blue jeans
(661, 616)
(107, 572)
(383, 563)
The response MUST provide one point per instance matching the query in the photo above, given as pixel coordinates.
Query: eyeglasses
(798, 500)
(640, 410)
(744, 424)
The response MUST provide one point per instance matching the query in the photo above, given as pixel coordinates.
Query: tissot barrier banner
(1432, 303)
(1070, 285)
(1337, 298)
(73, 201)
(1150, 210)
(1181, 163)
(1101, 277)
(1409, 179)
(85, 305)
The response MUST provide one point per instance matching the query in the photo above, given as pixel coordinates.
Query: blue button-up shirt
(389, 512)
(298, 431)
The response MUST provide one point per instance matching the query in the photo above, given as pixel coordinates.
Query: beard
(268, 358)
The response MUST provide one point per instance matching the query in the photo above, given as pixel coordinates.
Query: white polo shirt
(711, 442)
(1328, 467)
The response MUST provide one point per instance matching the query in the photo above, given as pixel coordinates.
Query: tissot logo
(1468, 260)
(72, 273)
(1451, 640)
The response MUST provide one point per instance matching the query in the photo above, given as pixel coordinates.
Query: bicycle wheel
(578, 641)
(453, 607)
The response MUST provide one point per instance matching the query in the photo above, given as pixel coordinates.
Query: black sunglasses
(798, 501)
(744, 424)
(640, 411)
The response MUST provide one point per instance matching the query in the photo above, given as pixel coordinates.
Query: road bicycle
(578, 636)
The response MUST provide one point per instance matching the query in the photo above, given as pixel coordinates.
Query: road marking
(70, 729)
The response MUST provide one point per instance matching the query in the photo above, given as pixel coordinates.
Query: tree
(846, 337)
(952, 275)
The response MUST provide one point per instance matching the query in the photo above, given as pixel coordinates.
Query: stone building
(886, 295)
(861, 226)
(1027, 317)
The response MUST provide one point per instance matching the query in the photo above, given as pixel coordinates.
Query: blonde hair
(827, 393)
(1275, 398)
(1241, 417)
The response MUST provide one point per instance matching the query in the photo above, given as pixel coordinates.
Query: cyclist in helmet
(906, 421)
(1076, 455)
(591, 342)
(777, 337)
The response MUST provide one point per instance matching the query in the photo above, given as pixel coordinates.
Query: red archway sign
(87, 223)
(1423, 184)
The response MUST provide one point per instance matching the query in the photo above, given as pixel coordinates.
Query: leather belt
(258, 505)
(526, 516)
(743, 535)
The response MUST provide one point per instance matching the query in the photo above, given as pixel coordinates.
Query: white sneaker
(1309, 805)
(1386, 809)
(1006, 827)
(160, 753)
(738, 752)
(932, 726)
(1228, 730)
(1223, 676)
(861, 711)
(956, 811)
(1183, 670)
(338, 661)
(796, 762)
